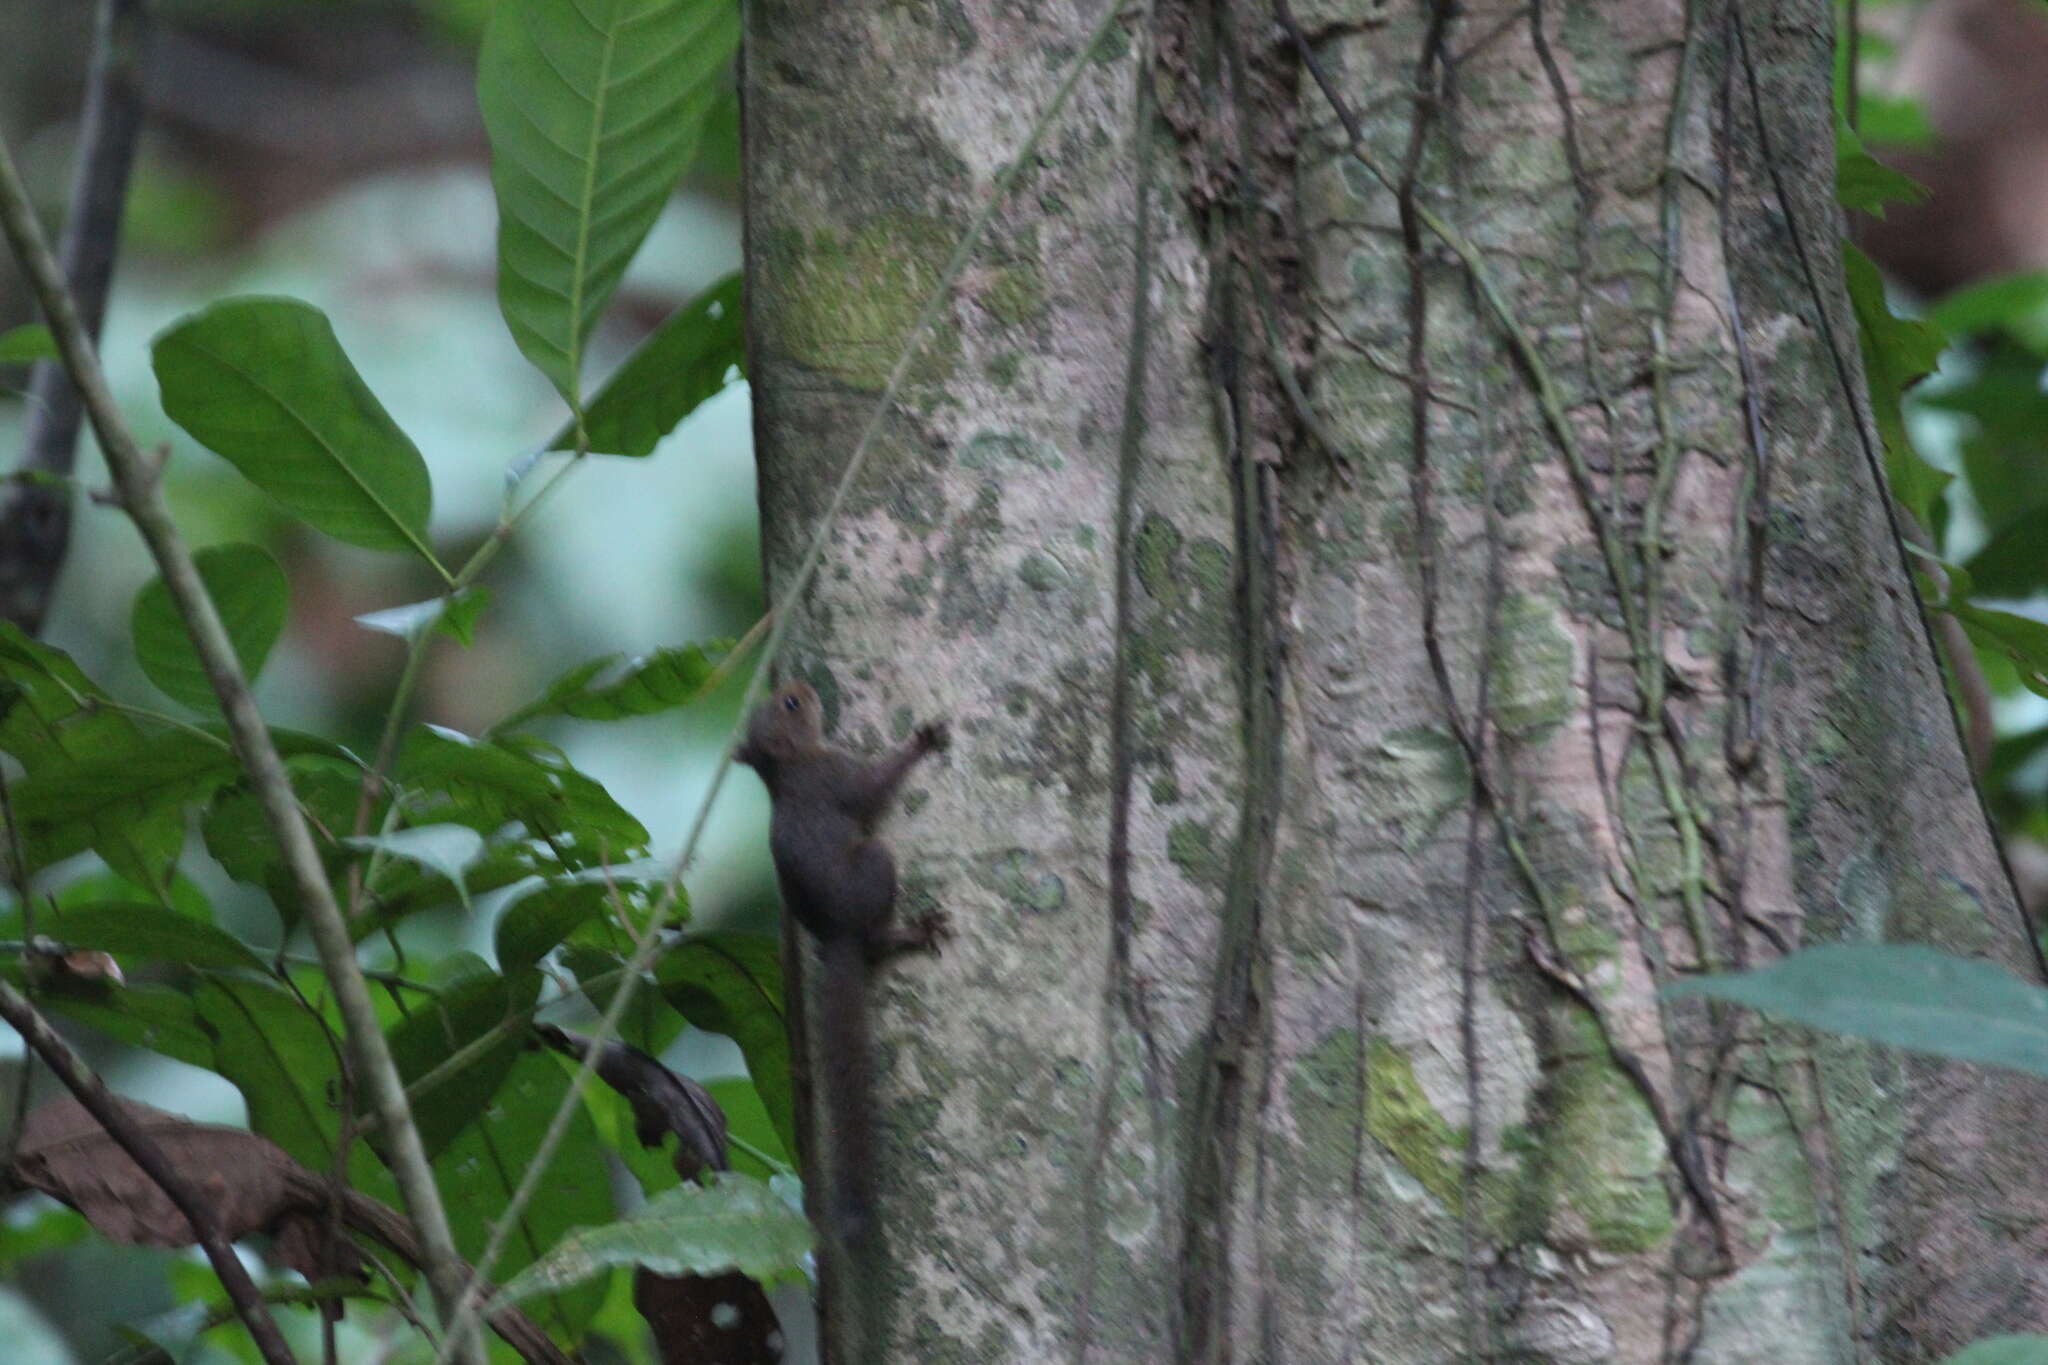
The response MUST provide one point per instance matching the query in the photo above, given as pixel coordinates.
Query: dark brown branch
(35, 515)
(92, 1093)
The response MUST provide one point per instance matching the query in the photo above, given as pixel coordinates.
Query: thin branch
(17, 879)
(142, 496)
(35, 519)
(122, 1128)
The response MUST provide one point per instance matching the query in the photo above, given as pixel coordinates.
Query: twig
(99, 1102)
(142, 496)
(17, 878)
(35, 520)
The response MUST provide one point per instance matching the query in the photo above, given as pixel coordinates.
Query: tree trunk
(1409, 576)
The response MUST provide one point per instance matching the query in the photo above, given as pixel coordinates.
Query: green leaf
(1863, 183)
(153, 1017)
(1897, 354)
(1895, 121)
(437, 1031)
(249, 590)
(2012, 303)
(478, 1171)
(454, 617)
(446, 849)
(648, 1023)
(731, 983)
(458, 622)
(403, 889)
(52, 710)
(50, 1229)
(26, 345)
(746, 1118)
(104, 887)
(617, 687)
(2002, 1351)
(682, 363)
(132, 782)
(286, 1060)
(146, 933)
(275, 1051)
(593, 108)
(737, 1224)
(56, 725)
(2020, 638)
(531, 926)
(485, 785)
(1902, 995)
(263, 383)
(2005, 462)
(237, 833)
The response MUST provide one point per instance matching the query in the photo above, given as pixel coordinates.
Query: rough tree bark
(1409, 575)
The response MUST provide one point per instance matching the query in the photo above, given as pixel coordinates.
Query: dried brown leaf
(663, 1102)
(249, 1182)
(708, 1319)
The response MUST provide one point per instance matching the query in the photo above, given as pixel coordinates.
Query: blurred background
(1954, 94)
(332, 151)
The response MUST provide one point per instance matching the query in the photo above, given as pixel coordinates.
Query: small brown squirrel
(839, 881)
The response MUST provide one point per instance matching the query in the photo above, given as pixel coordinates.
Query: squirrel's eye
(792, 703)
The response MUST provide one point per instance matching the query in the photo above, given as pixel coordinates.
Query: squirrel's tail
(848, 1142)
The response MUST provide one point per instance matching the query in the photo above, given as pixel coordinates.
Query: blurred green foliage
(396, 546)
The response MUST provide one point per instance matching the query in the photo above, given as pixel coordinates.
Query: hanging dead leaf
(663, 1102)
(708, 1319)
(248, 1181)
(252, 1185)
(695, 1319)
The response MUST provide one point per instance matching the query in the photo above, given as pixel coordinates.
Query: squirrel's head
(789, 722)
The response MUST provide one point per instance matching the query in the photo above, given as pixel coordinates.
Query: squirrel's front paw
(934, 738)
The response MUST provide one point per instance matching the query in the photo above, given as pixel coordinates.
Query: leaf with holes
(248, 589)
(249, 1184)
(593, 108)
(618, 687)
(736, 1224)
(682, 363)
(263, 383)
